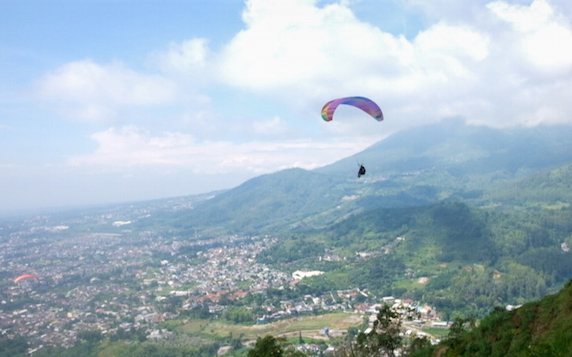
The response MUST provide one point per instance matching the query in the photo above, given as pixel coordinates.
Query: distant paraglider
(367, 105)
(361, 171)
(25, 276)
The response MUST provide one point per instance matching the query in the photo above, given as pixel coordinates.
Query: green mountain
(546, 189)
(453, 160)
(447, 161)
(273, 200)
(542, 328)
(464, 150)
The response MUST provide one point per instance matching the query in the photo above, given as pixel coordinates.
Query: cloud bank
(129, 146)
(495, 63)
(86, 91)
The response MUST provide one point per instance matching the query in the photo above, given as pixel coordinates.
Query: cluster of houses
(111, 281)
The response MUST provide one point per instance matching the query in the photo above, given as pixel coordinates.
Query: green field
(311, 326)
(438, 332)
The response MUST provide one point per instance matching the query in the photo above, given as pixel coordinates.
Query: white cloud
(461, 43)
(87, 91)
(274, 126)
(121, 149)
(505, 64)
(475, 68)
(523, 18)
(306, 54)
(295, 44)
(129, 146)
(480, 67)
(544, 37)
(188, 57)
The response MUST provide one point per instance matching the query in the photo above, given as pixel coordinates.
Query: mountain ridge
(447, 161)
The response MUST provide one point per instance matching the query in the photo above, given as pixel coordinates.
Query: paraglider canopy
(367, 105)
(25, 276)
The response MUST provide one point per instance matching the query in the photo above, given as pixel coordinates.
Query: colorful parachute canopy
(25, 276)
(362, 103)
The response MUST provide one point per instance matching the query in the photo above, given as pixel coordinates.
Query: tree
(384, 338)
(418, 344)
(461, 325)
(269, 346)
(13, 347)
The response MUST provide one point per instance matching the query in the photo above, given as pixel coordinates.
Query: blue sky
(110, 101)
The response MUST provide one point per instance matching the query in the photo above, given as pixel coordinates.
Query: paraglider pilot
(361, 171)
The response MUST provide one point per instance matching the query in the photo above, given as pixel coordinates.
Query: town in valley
(95, 272)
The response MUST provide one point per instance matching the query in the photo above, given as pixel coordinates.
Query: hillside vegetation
(551, 189)
(472, 258)
(540, 328)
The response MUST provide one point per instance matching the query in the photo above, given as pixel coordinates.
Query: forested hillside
(472, 258)
(540, 328)
(546, 189)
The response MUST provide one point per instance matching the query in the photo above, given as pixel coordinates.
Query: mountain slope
(471, 258)
(271, 200)
(545, 189)
(447, 161)
(541, 328)
(464, 149)
(452, 160)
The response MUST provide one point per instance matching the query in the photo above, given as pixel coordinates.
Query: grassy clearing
(193, 327)
(165, 290)
(244, 284)
(557, 205)
(409, 284)
(438, 332)
(335, 321)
